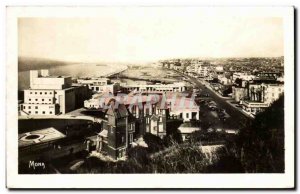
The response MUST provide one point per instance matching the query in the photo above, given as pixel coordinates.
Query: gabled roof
(162, 103)
(155, 117)
(116, 109)
(103, 133)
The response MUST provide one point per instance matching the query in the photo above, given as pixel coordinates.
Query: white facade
(44, 81)
(254, 107)
(269, 94)
(46, 97)
(94, 102)
(93, 81)
(100, 85)
(272, 92)
(184, 108)
(39, 109)
(175, 87)
(242, 76)
(223, 80)
(203, 70)
(111, 88)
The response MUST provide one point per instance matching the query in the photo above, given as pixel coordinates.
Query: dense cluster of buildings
(131, 116)
(128, 111)
(254, 83)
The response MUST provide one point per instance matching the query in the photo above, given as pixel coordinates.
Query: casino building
(51, 95)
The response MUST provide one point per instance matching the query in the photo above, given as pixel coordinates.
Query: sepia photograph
(142, 91)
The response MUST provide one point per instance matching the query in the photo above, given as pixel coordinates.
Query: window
(187, 115)
(29, 99)
(35, 92)
(130, 138)
(29, 107)
(30, 92)
(29, 112)
(36, 107)
(43, 99)
(41, 92)
(35, 99)
(43, 112)
(49, 99)
(24, 107)
(36, 112)
(50, 112)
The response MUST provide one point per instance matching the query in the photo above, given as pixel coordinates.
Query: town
(65, 118)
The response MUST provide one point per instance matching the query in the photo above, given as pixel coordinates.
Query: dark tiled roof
(116, 109)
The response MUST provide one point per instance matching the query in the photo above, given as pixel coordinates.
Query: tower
(117, 129)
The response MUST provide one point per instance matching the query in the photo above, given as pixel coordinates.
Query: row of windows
(42, 93)
(43, 112)
(39, 103)
(42, 99)
(29, 107)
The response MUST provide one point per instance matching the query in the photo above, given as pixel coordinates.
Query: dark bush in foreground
(154, 143)
(262, 144)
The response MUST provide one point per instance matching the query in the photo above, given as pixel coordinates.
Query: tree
(154, 143)
(238, 82)
(262, 143)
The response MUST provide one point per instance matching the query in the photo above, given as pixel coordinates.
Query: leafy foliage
(154, 143)
(262, 143)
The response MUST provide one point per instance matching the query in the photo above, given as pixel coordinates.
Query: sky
(141, 36)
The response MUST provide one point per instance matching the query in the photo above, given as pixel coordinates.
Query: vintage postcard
(150, 97)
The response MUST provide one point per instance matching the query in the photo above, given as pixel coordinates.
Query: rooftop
(39, 136)
(189, 127)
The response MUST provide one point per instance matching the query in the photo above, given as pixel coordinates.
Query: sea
(73, 70)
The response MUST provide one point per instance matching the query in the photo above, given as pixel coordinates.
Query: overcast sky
(134, 36)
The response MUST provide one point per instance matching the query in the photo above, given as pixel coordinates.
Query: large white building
(203, 70)
(184, 108)
(50, 95)
(261, 96)
(175, 87)
(99, 85)
(96, 102)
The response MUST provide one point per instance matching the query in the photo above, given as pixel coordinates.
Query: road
(237, 119)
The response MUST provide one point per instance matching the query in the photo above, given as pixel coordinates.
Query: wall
(39, 96)
(38, 109)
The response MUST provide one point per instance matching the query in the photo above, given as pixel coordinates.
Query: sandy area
(150, 73)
